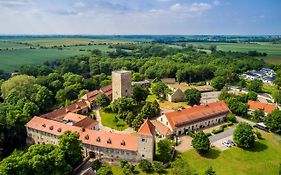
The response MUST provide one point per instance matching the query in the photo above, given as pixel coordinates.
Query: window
(143, 140)
(126, 90)
(142, 155)
(166, 123)
(161, 119)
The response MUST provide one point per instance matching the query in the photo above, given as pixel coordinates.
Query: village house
(266, 107)
(194, 118)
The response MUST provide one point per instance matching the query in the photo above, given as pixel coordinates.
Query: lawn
(110, 120)
(263, 159)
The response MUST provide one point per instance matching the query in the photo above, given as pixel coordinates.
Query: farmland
(16, 52)
(273, 50)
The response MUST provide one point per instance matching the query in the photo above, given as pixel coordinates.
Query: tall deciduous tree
(255, 85)
(102, 100)
(273, 121)
(201, 142)
(165, 150)
(243, 135)
(139, 93)
(192, 96)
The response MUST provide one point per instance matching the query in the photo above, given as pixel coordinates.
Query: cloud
(13, 3)
(195, 7)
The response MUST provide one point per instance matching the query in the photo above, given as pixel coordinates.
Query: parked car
(228, 143)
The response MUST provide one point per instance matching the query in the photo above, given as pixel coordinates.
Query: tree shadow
(212, 154)
(258, 147)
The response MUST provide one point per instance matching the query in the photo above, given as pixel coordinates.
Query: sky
(117, 17)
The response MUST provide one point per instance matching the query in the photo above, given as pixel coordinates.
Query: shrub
(105, 170)
(158, 166)
(201, 142)
(220, 129)
(208, 134)
(229, 124)
(231, 118)
(258, 134)
(146, 166)
(97, 164)
(243, 135)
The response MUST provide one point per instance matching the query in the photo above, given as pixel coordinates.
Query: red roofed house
(266, 107)
(194, 118)
(106, 145)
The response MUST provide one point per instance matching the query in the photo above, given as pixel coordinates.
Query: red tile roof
(255, 105)
(147, 128)
(91, 96)
(196, 114)
(161, 128)
(106, 88)
(87, 136)
(74, 117)
(86, 123)
(60, 113)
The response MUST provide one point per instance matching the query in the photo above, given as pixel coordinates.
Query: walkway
(108, 129)
(224, 134)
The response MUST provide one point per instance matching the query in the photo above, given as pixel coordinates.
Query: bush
(258, 134)
(97, 164)
(123, 163)
(146, 166)
(229, 124)
(216, 131)
(105, 170)
(208, 134)
(231, 118)
(158, 166)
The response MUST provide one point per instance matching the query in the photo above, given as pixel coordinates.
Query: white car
(228, 143)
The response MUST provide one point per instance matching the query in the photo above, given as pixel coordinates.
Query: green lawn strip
(110, 120)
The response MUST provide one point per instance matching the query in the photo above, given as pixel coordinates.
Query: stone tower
(121, 84)
(146, 142)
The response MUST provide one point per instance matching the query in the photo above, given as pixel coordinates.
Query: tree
(146, 166)
(128, 169)
(164, 150)
(250, 96)
(192, 96)
(137, 122)
(30, 109)
(231, 118)
(137, 76)
(105, 170)
(181, 167)
(242, 83)
(159, 89)
(243, 135)
(158, 166)
(97, 164)
(71, 146)
(122, 105)
(277, 96)
(201, 142)
(150, 110)
(237, 107)
(21, 83)
(139, 93)
(102, 100)
(255, 85)
(258, 115)
(218, 82)
(210, 171)
(273, 121)
(43, 98)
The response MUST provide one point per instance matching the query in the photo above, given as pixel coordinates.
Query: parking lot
(218, 144)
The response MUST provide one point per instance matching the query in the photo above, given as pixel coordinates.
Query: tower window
(126, 90)
(142, 155)
(143, 140)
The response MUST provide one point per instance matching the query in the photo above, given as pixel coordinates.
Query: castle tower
(121, 84)
(146, 142)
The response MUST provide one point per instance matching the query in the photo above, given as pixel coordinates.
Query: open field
(263, 159)
(109, 120)
(273, 50)
(13, 59)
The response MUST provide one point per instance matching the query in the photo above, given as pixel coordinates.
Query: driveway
(218, 144)
(222, 135)
(185, 144)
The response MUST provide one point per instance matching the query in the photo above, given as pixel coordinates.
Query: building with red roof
(194, 118)
(266, 107)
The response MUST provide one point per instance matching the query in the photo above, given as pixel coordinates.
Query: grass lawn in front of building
(110, 120)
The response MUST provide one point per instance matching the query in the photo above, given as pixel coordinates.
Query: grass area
(172, 105)
(263, 159)
(273, 50)
(110, 120)
(13, 59)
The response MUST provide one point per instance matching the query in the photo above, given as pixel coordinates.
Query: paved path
(240, 119)
(108, 129)
(222, 135)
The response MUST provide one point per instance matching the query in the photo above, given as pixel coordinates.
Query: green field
(13, 59)
(110, 120)
(16, 52)
(263, 159)
(273, 50)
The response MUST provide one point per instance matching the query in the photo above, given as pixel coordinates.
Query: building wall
(192, 127)
(177, 96)
(38, 137)
(121, 84)
(146, 147)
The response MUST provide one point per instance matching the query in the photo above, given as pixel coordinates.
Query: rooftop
(147, 128)
(267, 107)
(196, 113)
(87, 136)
